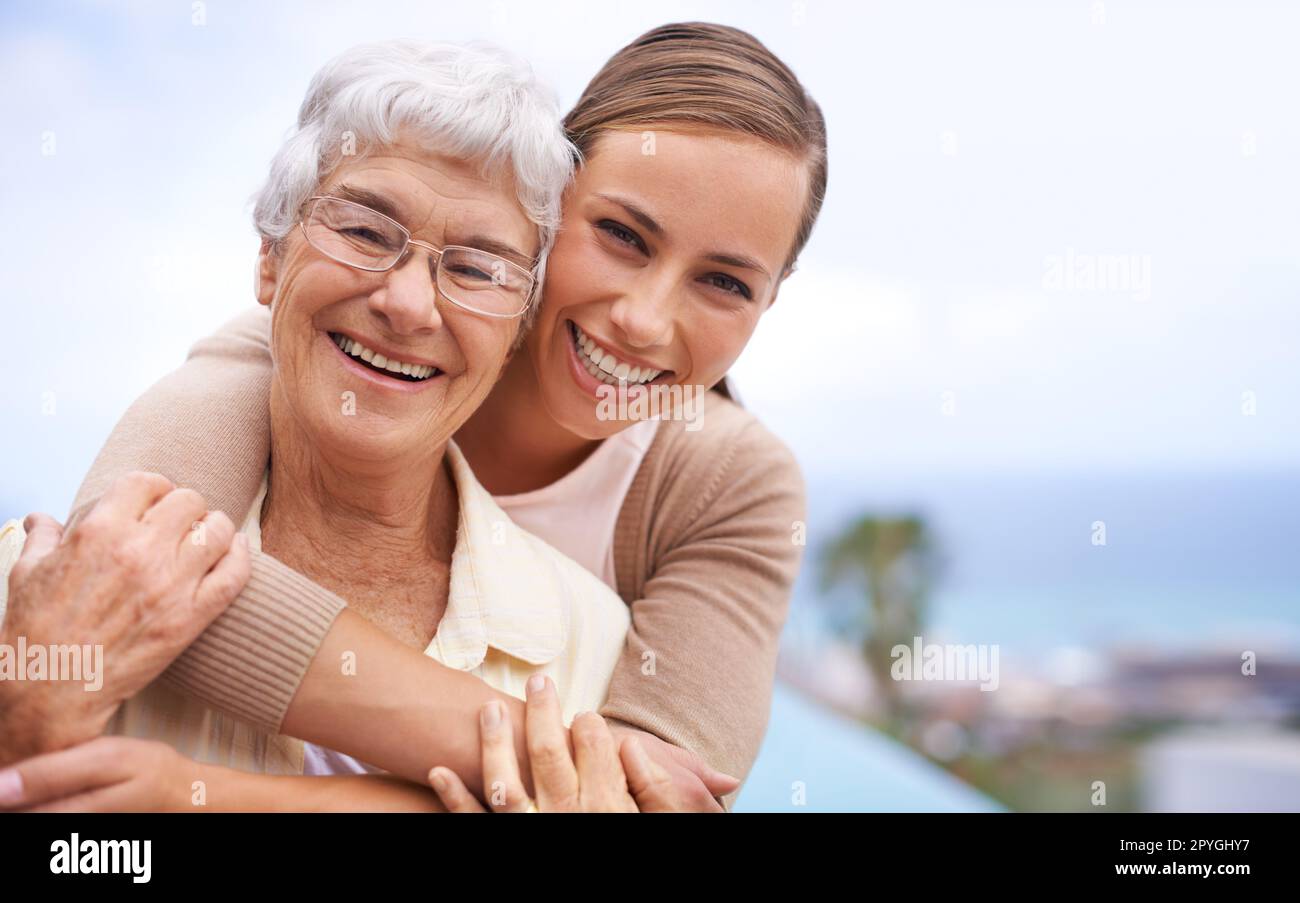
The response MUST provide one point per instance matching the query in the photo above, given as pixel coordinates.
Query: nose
(646, 315)
(407, 301)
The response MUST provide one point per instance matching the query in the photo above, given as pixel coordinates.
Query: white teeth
(605, 366)
(379, 361)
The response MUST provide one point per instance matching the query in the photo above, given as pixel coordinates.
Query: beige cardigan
(705, 553)
(515, 607)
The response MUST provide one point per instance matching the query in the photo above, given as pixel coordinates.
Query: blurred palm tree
(894, 561)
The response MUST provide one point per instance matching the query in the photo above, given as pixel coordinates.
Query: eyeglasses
(475, 280)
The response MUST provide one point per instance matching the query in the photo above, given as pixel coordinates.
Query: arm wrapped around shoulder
(718, 546)
(205, 425)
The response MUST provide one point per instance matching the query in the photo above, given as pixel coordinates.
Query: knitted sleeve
(708, 547)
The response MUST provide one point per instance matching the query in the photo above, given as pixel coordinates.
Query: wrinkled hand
(142, 575)
(108, 774)
(601, 774)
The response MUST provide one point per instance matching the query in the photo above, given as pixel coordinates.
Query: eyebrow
(499, 248)
(740, 262)
(647, 222)
(367, 198)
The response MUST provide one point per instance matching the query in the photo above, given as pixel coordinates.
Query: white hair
(473, 102)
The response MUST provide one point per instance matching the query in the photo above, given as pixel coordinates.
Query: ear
(266, 273)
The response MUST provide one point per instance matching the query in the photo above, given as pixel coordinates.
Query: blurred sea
(1190, 561)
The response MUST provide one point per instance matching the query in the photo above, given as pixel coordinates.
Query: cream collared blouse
(515, 607)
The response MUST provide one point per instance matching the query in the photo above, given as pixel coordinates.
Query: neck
(539, 451)
(342, 519)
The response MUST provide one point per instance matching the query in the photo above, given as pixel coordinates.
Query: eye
(469, 271)
(369, 236)
(621, 234)
(729, 284)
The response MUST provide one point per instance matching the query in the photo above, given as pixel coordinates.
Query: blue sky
(971, 146)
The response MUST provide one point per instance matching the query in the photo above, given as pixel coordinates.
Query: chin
(353, 429)
(588, 427)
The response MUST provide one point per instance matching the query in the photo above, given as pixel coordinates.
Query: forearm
(229, 790)
(710, 613)
(27, 729)
(23, 732)
(367, 695)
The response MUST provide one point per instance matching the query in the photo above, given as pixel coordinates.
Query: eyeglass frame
(431, 248)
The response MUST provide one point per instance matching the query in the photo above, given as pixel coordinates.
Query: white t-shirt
(577, 513)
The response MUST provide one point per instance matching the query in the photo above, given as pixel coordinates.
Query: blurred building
(1222, 771)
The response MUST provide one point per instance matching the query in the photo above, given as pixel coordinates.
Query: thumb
(647, 782)
(719, 784)
(43, 536)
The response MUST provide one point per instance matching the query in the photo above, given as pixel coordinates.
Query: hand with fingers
(142, 575)
(696, 786)
(107, 774)
(600, 773)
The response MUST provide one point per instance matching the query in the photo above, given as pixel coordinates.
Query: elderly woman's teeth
(414, 372)
(604, 366)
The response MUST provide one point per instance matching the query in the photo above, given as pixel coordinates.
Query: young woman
(703, 167)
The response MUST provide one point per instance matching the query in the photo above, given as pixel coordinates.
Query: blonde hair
(708, 76)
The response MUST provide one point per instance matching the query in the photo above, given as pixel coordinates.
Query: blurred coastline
(1180, 634)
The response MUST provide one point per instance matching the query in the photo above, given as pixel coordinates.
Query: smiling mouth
(395, 369)
(607, 367)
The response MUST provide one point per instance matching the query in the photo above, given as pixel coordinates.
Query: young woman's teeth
(410, 372)
(604, 366)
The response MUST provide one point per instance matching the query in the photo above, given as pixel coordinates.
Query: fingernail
(491, 716)
(536, 683)
(438, 780)
(11, 787)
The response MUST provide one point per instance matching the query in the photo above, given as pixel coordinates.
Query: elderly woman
(403, 228)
